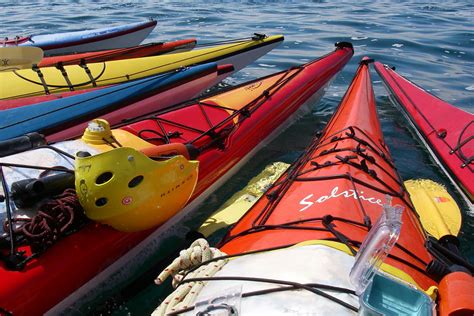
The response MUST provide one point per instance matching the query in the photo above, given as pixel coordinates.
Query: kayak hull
(109, 252)
(90, 40)
(427, 115)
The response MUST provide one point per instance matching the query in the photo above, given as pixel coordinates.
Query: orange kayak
(151, 49)
(299, 247)
(350, 156)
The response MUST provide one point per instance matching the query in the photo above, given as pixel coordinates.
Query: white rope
(184, 295)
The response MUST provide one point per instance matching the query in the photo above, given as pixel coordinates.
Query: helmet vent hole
(104, 177)
(135, 181)
(101, 201)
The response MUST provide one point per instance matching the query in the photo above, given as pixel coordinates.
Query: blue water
(431, 44)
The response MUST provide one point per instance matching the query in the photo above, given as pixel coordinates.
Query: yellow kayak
(33, 82)
(233, 209)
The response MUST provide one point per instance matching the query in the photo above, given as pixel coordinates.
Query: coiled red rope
(54, 219)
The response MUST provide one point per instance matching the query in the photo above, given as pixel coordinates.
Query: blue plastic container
(387, 296)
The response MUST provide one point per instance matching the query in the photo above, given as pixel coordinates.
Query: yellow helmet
(130, 192)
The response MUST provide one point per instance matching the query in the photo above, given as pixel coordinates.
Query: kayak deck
(450, 141)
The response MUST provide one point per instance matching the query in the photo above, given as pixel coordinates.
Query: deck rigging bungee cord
(218, 137)
(95, 80)
(441, 133)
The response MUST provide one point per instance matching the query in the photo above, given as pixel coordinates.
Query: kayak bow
(85, 41)
(446, 131)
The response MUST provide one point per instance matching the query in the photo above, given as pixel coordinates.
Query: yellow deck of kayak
(26, 82)
(235, 207)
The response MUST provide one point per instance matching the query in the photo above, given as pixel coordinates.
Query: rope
(183, 296)
(199, 271)
(53, 221)
(460, 143)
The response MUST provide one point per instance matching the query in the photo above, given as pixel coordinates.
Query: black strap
(61, 68)
(329, 225)
(41, 78)
(83, 65)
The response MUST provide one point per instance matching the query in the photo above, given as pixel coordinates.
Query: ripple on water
(359, 38)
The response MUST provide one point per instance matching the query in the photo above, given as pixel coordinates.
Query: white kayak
(127, 35)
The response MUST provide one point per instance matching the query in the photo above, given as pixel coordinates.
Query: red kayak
(316, 240)
(224, 130)
(446, 131)
(145, 50)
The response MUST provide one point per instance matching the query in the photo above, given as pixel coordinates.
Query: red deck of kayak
(441, 125)
(15, 103)
(78, 258)
(313, 191)
(170, 96)
(145, 50)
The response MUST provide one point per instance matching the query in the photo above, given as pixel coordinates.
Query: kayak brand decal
(253, 86)
(309, 200)
(176, 187)
(441, 199)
